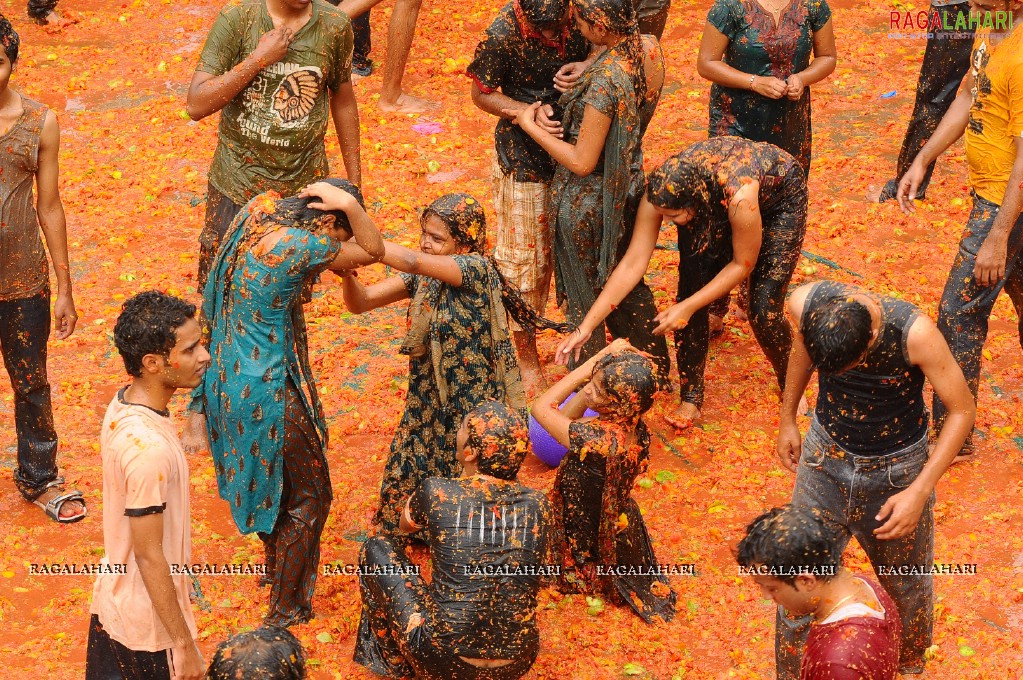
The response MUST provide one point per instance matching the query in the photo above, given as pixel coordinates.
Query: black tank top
(878, 407)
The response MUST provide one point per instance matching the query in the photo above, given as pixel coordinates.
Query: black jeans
(363, 41)
(39, 9)
(946, 60)
(107, 659)
(24, 330)
(965, 306)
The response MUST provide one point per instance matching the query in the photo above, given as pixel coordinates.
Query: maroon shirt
(856, 648)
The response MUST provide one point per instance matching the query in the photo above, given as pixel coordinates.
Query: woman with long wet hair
(740, 208)
(599, 527)
(458, 341)
(264, 422)
(599, 181)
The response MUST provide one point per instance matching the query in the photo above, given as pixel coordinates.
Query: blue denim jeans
(849, 490)
(965, 306)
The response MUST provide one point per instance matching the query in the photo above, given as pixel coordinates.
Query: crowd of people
(574, 85)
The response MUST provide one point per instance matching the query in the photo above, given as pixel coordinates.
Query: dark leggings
(293, 547)
(784, 225)
(387, 646)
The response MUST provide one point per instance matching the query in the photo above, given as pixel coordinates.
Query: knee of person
(376, 550)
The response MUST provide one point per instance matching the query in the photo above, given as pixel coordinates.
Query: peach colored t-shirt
(144, 472)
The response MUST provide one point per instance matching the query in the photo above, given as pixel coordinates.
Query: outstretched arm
(623, 279)
(546, 408)
(368, 246)
(928, 350)
(54, 225)
(951, 128)
(442, 267)
(747, 235)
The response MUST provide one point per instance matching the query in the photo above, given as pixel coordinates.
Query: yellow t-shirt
(996, 117)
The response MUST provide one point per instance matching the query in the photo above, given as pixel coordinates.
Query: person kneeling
(488, 537)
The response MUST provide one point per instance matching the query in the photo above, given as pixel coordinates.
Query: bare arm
(441, 267)
(710, 64)
(581, 158)
(929, 351)
(747, 235)
(360, 299)
(405, 523)
(994, 252)
(546, 409)
(950, 129)
(147, 545)
(54, 225)
(209, 93)
(825, 56)
(356, 8)
(630, 271)
(501, 105)
(344, 109)
(797, 377)
(368, 246)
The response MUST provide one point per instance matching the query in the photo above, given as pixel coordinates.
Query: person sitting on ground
(489, 539)
(599, 524)
(267, 653)
(797, 562)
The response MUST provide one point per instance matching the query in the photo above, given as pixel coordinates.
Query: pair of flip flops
(52, 507)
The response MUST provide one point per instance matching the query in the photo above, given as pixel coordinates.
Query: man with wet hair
(142, 626)
(797, 562)
(514, 66)
(864, 464)
(267, 653)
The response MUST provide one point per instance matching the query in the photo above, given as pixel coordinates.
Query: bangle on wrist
(751, 79)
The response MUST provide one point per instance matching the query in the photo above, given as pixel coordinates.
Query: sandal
(52, 507)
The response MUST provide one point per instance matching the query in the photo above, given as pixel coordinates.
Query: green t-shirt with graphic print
(271, 133)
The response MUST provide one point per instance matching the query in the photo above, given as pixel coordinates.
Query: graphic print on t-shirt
(981, 85)
(270, 104)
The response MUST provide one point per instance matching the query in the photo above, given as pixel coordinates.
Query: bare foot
(68, 509)
(57, 21)
(407, 103)
(688, 416)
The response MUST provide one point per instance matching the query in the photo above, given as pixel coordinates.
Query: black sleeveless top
(878, 407)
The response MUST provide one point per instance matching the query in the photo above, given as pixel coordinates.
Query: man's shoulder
(504, 26)
(131, 432)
